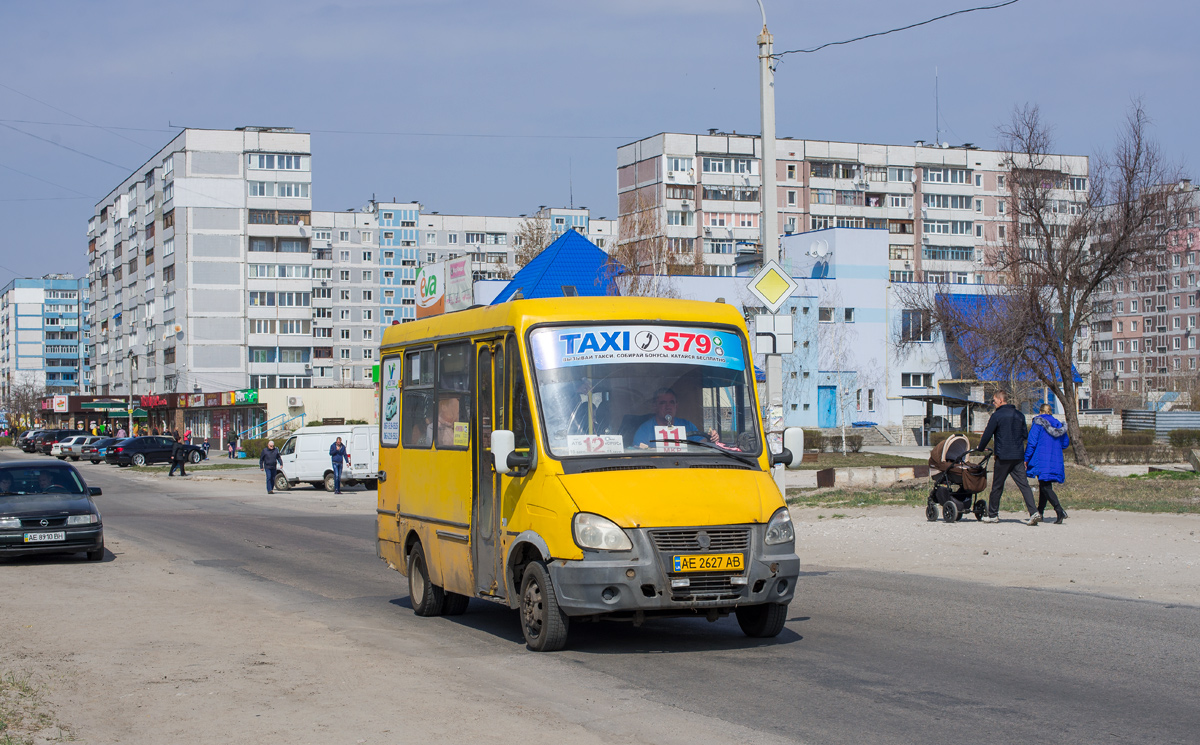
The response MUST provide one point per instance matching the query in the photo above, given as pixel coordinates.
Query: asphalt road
(866, 657)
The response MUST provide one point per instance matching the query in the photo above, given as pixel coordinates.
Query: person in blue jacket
(339, 456)
(1048, 439)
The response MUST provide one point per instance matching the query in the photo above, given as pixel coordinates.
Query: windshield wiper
(740, 457)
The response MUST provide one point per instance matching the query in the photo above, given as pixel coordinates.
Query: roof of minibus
(521, 314)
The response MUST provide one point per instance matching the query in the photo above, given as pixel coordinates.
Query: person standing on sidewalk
(179, 456)
(268, 462)
(1007, 425)
(339, 456)
(1044, 459)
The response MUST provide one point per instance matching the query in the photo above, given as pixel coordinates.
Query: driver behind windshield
(666, 404)
(5, 483)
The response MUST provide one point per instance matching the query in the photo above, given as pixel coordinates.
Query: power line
(74, 116)
(93, 126)
(43, 199)
(65, 147)
(44, 181)
(894, 30)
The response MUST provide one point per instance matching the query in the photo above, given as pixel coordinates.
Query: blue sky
(558, 86)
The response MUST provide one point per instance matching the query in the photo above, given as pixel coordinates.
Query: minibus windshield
(644, 388)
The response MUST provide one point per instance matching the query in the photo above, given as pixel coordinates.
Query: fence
(1161, 422)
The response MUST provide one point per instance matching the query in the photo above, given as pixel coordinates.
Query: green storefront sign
(245, 397)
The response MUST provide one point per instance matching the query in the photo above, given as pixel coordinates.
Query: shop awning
(948, 401)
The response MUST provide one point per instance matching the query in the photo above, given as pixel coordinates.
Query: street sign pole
(770, 225)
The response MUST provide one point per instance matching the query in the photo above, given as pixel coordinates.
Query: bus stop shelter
(957, 414)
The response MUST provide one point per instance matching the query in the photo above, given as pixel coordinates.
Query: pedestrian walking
(206, 446)
(268, 462)
(187, 437)
(1044, 459)
(339, 456)
(1007, 425)
(178, 458)
(231, 448)
(121, 433)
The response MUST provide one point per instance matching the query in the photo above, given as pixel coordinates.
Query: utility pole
(770, 218)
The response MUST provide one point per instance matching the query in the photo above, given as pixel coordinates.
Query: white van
(304, 458)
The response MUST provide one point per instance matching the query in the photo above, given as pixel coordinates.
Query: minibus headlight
(779, 528)
(593, 531)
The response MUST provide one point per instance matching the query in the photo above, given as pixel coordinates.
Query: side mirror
(504, 456)
(793, 449)
(95, 491)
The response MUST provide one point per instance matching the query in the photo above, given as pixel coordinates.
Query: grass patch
(1084, 490)
(859, 460)
(22, 711)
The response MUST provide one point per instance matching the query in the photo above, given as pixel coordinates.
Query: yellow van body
(448, 382)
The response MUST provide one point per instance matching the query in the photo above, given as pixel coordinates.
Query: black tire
(542, 621)
(329, 482)
(950, 511)
(95, 462)
(96, 554)
(427, 598)
(75, 458)
(281, 482)
(195, 457)
(139, 460)
(371, 484)
(455, 604)
(316, 485)
(931, 512)
(762, 621)
(980, 509)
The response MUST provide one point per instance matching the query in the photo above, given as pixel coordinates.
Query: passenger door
(485, 518)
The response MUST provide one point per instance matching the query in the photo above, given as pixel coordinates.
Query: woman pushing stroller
(1044, 458)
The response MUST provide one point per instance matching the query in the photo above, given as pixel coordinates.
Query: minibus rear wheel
(762, 621)
(542, 620)
(426, 597)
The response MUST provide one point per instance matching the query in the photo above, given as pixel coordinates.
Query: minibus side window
(416, 425)
(453, 397)
(522, 420)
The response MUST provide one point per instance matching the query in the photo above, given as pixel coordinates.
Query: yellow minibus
(578, 458)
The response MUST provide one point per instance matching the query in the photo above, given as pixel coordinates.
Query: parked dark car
(28, 437)
(46, 440)
(94, 451)
(47, 508)
(140, 451)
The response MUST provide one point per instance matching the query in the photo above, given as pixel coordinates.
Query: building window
(849, 315)
(915, 325)
(916, 380)
(677, 217)
(825, 315)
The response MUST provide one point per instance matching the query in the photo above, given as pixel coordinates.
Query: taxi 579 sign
(568, 347)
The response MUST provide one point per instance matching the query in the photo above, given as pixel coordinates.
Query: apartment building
(43, 328)
(1144, 332)
(200, 266)
(492, 242)
(943, 207)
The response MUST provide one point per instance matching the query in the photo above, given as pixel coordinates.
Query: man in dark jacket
(1007, 425)
(339, 456)
(179, 454)
(268, 462)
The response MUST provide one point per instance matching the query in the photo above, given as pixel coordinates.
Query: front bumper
(90, 538)
(602, 583)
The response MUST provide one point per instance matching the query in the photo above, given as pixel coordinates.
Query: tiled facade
(44, 324)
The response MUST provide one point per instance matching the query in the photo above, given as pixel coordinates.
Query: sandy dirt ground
(1151, 557)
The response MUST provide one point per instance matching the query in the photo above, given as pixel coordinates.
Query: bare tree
(1063, 248)
(533, 235)
(644, 259)
(22, 401)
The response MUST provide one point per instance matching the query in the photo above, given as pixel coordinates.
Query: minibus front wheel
(426, 597)
(762, 621)
(542, 620)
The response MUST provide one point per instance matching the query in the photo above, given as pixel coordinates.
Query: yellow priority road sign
(772, 286)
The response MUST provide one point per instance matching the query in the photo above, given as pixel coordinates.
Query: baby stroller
(956, 480)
